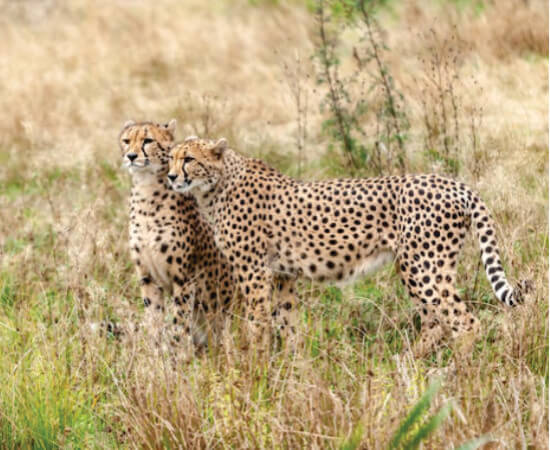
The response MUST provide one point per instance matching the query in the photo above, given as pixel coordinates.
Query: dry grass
(72, 74)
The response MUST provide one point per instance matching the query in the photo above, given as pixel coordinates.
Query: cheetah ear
(128, 123)
(219, 147)
(171, 126)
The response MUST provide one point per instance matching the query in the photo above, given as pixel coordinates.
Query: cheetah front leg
(285, 313)
(183, 321)
(256, 286)
(153, 300)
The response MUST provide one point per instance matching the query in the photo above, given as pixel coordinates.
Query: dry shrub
(158, 409)
(501, 29)
(516, 27)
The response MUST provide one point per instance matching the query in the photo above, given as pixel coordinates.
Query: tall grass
(74, 73)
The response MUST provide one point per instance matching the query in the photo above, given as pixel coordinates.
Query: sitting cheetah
(172, 246)
(267, 223)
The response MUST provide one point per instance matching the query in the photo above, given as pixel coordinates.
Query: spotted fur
(171, 245)
(267, 223)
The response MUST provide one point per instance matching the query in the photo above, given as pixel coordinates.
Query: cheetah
(171, 246)
(267, 223)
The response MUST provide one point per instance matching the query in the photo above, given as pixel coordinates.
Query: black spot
(504, 295)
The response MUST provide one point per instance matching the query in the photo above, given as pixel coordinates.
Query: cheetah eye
(126, 141)
(188, 159)
(147, 141)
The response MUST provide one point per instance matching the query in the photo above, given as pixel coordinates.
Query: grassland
(72, 73)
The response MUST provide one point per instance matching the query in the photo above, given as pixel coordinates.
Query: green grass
(48, 398)
(60, 386)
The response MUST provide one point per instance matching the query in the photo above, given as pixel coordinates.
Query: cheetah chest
(151, 255)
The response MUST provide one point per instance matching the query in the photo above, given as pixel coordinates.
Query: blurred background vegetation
(317, 89)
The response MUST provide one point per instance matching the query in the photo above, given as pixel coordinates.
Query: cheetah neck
(207, 199)
(149, 202)
(148, 185)
(210, 197)
(144, 179)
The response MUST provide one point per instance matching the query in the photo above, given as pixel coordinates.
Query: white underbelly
(368, 266)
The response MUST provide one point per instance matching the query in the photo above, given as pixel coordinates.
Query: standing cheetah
(172, 246)
(267, 223)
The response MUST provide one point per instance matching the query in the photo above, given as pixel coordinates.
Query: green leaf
(416, 414)
(429, 427)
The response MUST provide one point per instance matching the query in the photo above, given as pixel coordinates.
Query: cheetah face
(196, 164)
(145, 147)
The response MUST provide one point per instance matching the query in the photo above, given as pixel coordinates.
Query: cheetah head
(196, 163)
(145, 147)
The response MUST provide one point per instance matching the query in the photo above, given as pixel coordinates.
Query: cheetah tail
(485, 230)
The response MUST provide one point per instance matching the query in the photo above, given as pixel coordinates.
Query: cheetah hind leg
(427, 301)
(463, 328)
(431, 280)
(431, 337)
(450, 321)
(444, 318)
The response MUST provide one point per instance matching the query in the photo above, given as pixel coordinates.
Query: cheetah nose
(131, 156)
(172, 177)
